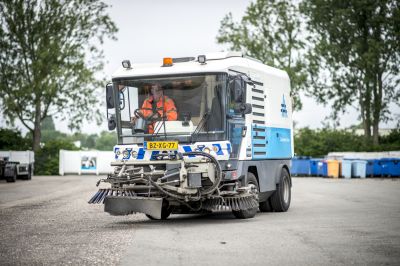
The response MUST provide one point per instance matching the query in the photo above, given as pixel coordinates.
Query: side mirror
(110, 96)
(111, 123)
(121, 100)
(237, 88)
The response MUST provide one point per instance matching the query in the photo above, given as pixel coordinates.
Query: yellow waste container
(333, 168)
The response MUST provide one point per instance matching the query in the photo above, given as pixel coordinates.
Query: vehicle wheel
(29, 176)
(249, 213)
(265, 206)
(13, 178)
(165, 212)
(280, 200)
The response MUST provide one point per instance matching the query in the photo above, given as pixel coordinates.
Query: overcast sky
(151, 30)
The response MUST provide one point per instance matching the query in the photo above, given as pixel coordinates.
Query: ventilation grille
(257, 102)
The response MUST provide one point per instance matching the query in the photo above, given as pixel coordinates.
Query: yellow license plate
(161, 145)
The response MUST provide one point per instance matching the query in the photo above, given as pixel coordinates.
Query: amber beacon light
(167, 61)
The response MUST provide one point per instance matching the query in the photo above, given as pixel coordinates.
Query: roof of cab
(216, 62)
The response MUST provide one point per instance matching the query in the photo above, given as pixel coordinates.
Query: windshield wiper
(201, 125)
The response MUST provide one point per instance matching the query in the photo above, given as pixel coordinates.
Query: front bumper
(116, 205)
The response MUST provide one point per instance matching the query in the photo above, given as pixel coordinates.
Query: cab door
(236, 111)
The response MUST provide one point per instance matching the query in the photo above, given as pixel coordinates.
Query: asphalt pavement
(47, 221)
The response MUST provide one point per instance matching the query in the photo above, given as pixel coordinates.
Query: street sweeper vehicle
(199, 134)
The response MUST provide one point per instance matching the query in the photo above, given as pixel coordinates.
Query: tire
(165, 212)
(265, 206)
(29, 176)
(280, 200)
(13, 178)
(249, 213)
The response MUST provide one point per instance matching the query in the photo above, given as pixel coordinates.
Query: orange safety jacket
(169, 110)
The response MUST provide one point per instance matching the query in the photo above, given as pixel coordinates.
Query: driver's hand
(133, 119)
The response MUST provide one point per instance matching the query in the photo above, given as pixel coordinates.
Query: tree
(47, 159)
(48, 124)
(318, 143)
(106, 141)
(48, 131)
(270, 31)
(12, 140)
(48, 60)
(355, 60)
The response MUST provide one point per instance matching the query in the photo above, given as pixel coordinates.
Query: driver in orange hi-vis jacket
(157, 106)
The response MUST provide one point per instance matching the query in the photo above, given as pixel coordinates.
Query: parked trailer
(228, 147)
(16, 164)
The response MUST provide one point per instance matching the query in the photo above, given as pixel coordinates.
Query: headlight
(207, 150)
(215, 148)
(125, 153)
(134, 154)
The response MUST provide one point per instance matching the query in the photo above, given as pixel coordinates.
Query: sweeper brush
(240, 202)
(231, 203)
(101, 195)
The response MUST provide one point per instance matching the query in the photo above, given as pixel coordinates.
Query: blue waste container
(359, 168)
(300, 166)
(377, 167)
(314, 166)
(346, 168)
(370, 167)
(390, 166)
(395, 167)
(322, 166)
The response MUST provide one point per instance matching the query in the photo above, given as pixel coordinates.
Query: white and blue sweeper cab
(219, 138)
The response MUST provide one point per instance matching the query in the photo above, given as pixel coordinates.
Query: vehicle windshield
(185, 108)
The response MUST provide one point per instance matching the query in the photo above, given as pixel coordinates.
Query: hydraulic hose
(217, 168)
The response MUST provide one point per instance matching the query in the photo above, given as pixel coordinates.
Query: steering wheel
(139, 114)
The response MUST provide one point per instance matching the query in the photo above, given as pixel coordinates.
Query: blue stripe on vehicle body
(271, 142)
(115, 152)
(219, 152)
(188, 149)
(259, 133)
(259, 141)
(154, 154)
(140, 155)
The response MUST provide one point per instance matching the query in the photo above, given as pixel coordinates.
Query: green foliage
(48, 124)
(355, 61)
(103, 142)
(13, 140)
(47, 158)
(391, 142)
(48, 135)
(106, 141)
(270, 31)
(48, 59)
(90, 142)
(318, 143)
